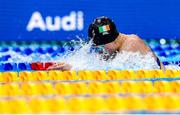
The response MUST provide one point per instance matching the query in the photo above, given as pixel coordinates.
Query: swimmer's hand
(60, 66)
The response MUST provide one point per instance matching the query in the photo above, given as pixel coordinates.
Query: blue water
(77, 54)
(14, 54)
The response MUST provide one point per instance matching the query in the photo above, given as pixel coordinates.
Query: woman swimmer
(103, 32)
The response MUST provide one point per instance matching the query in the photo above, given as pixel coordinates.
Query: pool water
(131, 83)
(78, 55)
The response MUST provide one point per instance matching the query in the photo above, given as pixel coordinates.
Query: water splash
(83, 59)
(173, 66)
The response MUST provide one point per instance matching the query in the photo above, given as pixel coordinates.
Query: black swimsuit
(158, 62)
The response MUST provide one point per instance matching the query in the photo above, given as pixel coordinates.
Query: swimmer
(104, 34)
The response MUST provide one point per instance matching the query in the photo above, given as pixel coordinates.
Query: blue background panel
(146, 18)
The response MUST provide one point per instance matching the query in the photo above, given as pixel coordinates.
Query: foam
(83, 59)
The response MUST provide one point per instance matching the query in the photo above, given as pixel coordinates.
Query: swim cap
(102, 31)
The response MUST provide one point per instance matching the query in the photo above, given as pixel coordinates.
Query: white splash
(173, 66)
(83, 59)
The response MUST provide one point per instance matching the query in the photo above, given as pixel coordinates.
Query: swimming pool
(25, 83)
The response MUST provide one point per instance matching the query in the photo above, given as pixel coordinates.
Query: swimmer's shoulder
(131, 38)
(133, 43)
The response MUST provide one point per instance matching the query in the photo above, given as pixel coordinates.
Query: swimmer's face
(109, 47)
(99, 49)
(106, 48)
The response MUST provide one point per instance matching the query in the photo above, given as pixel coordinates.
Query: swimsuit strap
(158, 62)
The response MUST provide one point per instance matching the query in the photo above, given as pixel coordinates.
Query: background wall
(147, 18)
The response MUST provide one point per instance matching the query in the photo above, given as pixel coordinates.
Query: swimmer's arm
(161, 64)
(148, 49)
(136, 44)
(60, 66)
